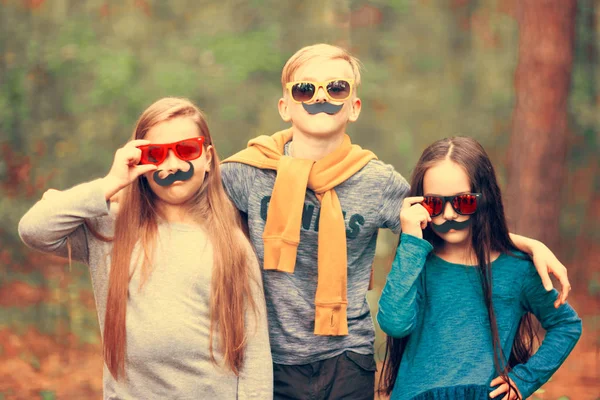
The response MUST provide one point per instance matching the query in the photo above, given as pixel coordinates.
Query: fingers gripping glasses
(186, 150)
(463, 204)
(306, 91)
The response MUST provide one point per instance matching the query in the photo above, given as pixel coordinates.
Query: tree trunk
(538, 143)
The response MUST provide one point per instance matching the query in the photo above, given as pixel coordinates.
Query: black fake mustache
(327, 108)
(177, 176)
(446, 226)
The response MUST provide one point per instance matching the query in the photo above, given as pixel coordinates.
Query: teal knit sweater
(440, 307)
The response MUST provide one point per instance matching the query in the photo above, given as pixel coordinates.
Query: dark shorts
(347, 376)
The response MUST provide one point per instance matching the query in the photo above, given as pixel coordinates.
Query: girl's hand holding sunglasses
(414, 216)
(126, 167)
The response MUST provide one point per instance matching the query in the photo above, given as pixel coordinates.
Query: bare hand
(503, 388)
(125, 168)
(545, 263)
(413, 216)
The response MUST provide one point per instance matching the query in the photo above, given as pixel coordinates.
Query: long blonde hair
(137, 220)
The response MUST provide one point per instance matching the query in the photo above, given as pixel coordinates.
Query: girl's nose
(449, 212)
(321, 95)
(172, 163)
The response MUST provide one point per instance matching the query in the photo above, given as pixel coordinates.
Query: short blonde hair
(321, 50)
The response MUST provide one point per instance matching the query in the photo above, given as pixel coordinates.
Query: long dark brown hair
(489, 233)
(137, 221)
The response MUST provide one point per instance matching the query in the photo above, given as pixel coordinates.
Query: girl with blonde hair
(177, 285)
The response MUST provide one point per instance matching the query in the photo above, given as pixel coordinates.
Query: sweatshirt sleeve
(59, 218)
(237, 180)
(398, 305)
(392, 195)
(256, 377)
(563, 329)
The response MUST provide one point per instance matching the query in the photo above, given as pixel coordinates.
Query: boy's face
(306, 121)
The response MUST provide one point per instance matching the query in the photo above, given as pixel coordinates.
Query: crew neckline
(180, 226)
(500, 257)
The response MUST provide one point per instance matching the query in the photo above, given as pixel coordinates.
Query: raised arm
(398, 304)
(58, 219)
(56, 222)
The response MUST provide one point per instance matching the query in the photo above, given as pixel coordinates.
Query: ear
(282, 105)
(209, 157)
(355, 108)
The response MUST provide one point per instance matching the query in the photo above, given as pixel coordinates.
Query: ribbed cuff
(279, 255)
(331, 319)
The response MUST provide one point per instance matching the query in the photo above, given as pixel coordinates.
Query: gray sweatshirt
(168, 319)
(370, 200)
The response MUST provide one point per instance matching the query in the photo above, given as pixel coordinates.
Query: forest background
(521, 77)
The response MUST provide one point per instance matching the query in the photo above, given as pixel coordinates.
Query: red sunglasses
(463, 204)
(186, 150)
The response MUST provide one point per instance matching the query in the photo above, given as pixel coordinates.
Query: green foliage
(243, 56)
(74, 77)
(31, 360)
(594, 285)
(47, 395)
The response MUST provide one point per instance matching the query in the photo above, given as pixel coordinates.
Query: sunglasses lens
(303, 91)
(188, 150)
(465, 204)
(152, 155)
(339, 90)
(433, 205)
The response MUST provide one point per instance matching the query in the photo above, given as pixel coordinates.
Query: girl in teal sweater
(458, 300)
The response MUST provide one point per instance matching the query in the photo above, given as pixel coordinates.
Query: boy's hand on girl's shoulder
(413, 216)
(546, 263)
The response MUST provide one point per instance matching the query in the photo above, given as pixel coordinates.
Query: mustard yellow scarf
(282, 230)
